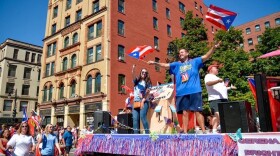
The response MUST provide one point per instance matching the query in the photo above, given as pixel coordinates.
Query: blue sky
(25, 20)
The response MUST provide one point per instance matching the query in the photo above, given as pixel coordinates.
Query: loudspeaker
(234, 115)
(125, 119)
(263, 103)
(102, 122)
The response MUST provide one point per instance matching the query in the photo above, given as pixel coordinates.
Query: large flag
(24, 115)
(220, 17)
(252, 85)
(140, 52)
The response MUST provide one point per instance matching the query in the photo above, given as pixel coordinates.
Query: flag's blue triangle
(227, 20)
(134, 54)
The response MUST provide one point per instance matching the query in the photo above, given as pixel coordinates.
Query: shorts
(67, 149)
(191, 102)
(214, 105)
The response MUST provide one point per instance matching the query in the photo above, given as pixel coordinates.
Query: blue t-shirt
(187, 76)
(48, 144)
(140, 89)
(68, 138)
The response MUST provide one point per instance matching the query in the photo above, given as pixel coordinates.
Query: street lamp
(15, 109)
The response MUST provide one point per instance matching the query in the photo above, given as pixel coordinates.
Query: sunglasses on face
(24, 126)
(144, 72)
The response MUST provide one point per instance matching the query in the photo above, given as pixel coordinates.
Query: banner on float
(161, 92)
(259, 144)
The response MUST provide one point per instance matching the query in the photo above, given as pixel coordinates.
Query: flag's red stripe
(213, 15)
(216, 23)
(221, 10)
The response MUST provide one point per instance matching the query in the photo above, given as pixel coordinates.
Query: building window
(154, 5)
(25, 89)
(45, 95)
(55, 11)
(12, 71)
(64, 64)
(99, 29)
(251, 50)
(97, 84)
(250, 41)
(95, 6)
(91, 32)
(155, 23)
(182, 7)
(47, 70)
(61, 91)
(89, 85)
(39, 74)
(33, 56)
(15, 55)
(277, 21)
(168, 30)
(78, 15)
(267, 24)
(53, 28)
(75, 38)
(27, 56)
(27, 73)
(167, 11)
(23, 105)
(50, 93)
(73, 61)
(39, 58)
(98, 54)
(78, 1)
(259, 39)
(73, 88)
(156, 44)
(120, 27)
(90, 55)
(121, 6)
(182, 21)
(121, 82)
(52, 68)
(241, 45)
(157, 67)
(257, 27)
(7, 105)
(37, 91)
(121, 53)
(51, 49)
(68, 4)
(195, 5)
(9, 87)
(67, 21)
(248, 31)
(200, 9)
(66, 42)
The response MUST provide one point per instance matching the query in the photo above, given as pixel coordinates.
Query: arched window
(73, 88)
(45, 95)
(97, 85)
(89, 85)
(61, 91)
(50, 92)
(75, 38)
(66, 42)
(73, 60)
(64, 64)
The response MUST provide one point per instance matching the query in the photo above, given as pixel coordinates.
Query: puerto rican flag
(140, 52)
(24, 115)
(220, 17)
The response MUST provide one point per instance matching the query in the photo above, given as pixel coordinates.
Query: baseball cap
(211, 66)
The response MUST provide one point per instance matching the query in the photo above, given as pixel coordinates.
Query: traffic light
(14, 113)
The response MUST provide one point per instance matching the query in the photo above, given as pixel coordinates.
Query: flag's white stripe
(136, 49)
(216, 13)
(145, 49)
(216, 19)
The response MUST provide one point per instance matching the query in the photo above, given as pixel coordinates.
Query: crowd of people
(47, 140)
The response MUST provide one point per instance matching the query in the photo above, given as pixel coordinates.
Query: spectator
(4, 138)
(68, 140)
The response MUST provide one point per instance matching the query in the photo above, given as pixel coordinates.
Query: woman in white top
(22, 142)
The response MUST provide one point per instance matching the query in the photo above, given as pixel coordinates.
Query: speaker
(263, 103)
(102, 122)
(234, 115)
(125, 119)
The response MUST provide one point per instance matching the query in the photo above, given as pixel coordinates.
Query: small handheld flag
(24, 115)
(140, 52)
(220, 17)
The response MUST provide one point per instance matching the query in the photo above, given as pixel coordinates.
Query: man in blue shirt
(188, 88)
(68, 139)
